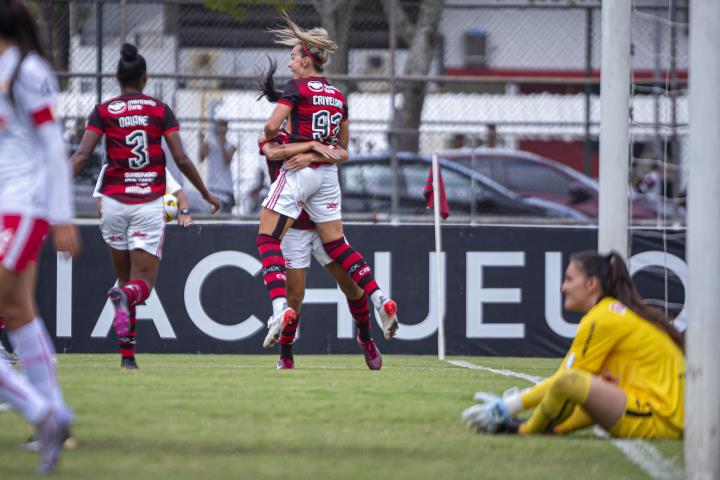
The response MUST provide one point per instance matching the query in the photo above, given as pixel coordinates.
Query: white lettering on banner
(63, 299)
(676, 265)
(476, 295)
(553, 297)
(152, 310)
(193, 287)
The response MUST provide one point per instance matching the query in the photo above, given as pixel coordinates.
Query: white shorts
(317, 190)
(133, 226)
(297, 245)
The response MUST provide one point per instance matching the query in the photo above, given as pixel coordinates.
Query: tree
(422, 39)
(335, 16)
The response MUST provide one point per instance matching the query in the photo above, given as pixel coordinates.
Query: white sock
(17, 391)
(37, 358)
(279, 304)
(377, 298)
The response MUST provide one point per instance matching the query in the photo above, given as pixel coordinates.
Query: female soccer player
(625, 370)
(132, 221)
(318, 111)
(302, 240)
(35, 186)
(127, 344)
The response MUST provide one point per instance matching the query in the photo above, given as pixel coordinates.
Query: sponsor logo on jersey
(331, 206)
(618, 307)
(117, 107)
(315, 86)
(364, 271)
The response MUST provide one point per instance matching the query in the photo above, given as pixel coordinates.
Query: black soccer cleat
(128, 363)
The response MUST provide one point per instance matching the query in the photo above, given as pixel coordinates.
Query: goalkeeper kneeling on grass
(625, 370)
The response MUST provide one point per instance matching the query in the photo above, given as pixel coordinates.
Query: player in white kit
(35, 186)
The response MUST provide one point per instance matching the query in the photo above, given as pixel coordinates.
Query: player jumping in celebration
(35, 192)
(133, 185)
(625, 370)
(302, 240)
(318, 111)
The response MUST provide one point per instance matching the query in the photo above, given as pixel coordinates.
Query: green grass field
(236, 417)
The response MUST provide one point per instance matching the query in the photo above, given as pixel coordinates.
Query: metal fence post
(98, 49)
(395, 167)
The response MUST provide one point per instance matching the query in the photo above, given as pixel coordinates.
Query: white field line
(639, 452)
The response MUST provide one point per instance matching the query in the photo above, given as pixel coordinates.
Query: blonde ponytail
(315, 41)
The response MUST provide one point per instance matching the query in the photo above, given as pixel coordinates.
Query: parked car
(531, 175)
(367, 188)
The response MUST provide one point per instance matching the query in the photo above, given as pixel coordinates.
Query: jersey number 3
(138, 141)
(325, 126)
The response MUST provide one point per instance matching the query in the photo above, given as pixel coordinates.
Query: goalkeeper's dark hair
(18, 26)
(265, 84)
(615, 282)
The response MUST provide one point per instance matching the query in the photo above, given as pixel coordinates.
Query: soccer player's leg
(324, 208)
(352, 262)
(602, 400)
(357, 301)
(36, 394)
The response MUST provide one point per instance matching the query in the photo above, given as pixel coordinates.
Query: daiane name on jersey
(134, 121)
(327, 101)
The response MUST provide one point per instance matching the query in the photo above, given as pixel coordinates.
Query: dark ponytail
(266, 84)
(615, 282)
(19, 27)
(131, 66)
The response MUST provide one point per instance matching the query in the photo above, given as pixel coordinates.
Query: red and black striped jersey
(303, 222)
(318, 108)
(134, 125)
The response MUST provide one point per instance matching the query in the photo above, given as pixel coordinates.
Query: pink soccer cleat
(286, 363)
(121, 322)
(373, 359)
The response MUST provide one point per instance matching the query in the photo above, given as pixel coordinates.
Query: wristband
(184, 211)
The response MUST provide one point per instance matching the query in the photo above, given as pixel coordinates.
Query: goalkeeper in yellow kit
(625, 370)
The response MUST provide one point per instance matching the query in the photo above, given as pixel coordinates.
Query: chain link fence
(505, 91)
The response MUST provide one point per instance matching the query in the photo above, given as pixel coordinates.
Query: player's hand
(326, 151)
(184, 220)
(214, 201)
(66, 239)
(299, 161)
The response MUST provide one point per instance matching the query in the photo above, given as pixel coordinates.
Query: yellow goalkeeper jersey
(612, 339)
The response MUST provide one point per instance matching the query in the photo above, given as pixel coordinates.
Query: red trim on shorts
(281, 181)
(43, 116)
(16, 256)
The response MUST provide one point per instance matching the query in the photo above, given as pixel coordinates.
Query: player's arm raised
(188, 169)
